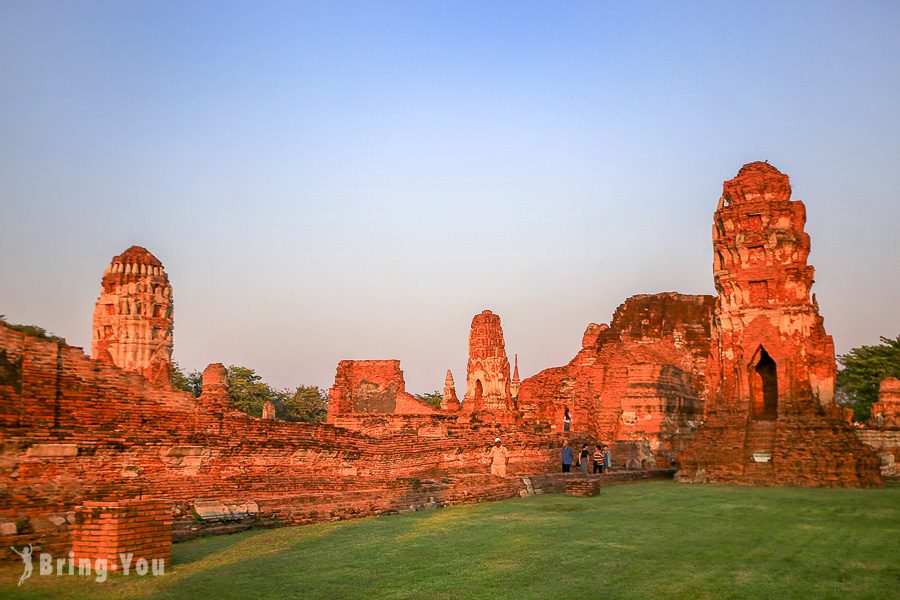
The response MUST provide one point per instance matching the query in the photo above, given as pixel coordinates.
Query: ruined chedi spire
(487, 378)
(449, 402)
(132, 325)
(516, 382)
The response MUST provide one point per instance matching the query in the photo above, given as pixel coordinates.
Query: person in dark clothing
(568, 453)
(584, 459)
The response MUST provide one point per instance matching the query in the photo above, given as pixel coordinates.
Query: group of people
(600, 456)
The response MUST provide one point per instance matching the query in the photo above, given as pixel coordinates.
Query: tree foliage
(186, 382)
(308, 403)
(432, 399)
(862, 370)
(249, 392)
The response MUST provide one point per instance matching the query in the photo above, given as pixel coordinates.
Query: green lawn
(646, 540)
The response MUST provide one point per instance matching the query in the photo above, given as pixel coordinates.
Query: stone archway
(479, 394)
(763, 387)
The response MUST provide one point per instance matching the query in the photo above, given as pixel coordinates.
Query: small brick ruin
(371, 386)
(883, 432)
(736, 387)
(108, 530)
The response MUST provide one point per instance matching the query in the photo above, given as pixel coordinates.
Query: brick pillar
(107, 529)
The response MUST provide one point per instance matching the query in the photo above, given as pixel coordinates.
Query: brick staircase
(760, 439)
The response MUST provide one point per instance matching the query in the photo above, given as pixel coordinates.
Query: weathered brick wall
(639, 379)
(79, 430)
(371, 386)
(886, 444)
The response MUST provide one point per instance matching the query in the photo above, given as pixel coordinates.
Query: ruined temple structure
(770, 416)
(449, 401)
(883, 431)
(487, 376)
(733, 388)
(371, 386)
(886, 412)
(132, 326)
(637, 382)
(268, 410)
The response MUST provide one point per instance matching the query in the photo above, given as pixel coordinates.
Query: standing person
(584, 459)
(568, 453)
(499, 457)
(607, 458)
(567, 420)
(599, 462)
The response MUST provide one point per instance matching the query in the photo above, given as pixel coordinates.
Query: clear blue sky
(356, 180)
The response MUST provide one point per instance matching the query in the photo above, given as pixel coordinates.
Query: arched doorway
(479, 393)
(763, 387)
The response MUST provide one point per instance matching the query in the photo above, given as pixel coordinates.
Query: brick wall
(78, 430)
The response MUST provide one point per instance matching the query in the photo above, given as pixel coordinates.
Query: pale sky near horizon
(336, 180)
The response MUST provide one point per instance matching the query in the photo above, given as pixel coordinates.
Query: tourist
(599, 462)
(568, 453)
(499, 457)
(584, 459)
(607, 458)
(567, 420)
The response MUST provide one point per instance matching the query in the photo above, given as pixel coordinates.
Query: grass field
(648, 540)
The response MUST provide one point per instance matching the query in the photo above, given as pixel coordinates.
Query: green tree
(186, 382)
(862, 370)
(432, 399)
(308, 403)
(249, 392)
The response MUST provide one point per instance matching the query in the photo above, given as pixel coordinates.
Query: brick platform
(106, 530)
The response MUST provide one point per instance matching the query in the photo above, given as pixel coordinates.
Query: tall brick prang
(770, 416)
(133, 324)
(487, 377)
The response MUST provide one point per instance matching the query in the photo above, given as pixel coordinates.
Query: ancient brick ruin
(886, 412)
(736, 388)
(133, 316)
(371, 386)
(640, 379)
(883, 432)
(449, 400)
(487, 375)
(770, 415)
